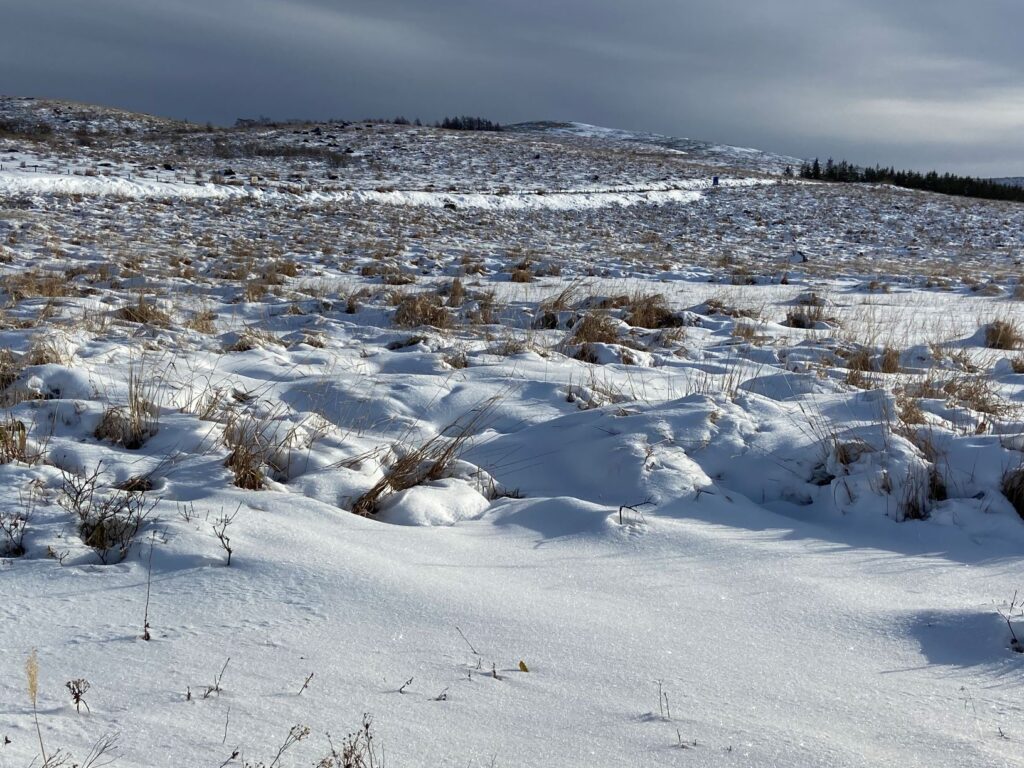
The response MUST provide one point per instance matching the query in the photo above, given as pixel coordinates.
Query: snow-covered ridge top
(67, 149)
(710, 152)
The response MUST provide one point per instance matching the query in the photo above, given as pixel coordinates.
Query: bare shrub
(107, 522)
(77, 689)
(915, 502)
(13, 526)
(358, 750)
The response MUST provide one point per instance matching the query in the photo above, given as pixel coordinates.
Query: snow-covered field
(532, 448)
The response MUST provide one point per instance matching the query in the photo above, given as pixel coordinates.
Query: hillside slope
(532, 446)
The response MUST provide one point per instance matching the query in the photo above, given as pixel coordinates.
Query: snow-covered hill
(704, 151)
(517, 449)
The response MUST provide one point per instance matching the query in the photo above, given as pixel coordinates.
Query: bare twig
(635, 507)
(215, 688)
(467, 641)
(149, 585)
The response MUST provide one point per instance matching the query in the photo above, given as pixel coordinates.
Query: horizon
(434, 121)
(923, 86)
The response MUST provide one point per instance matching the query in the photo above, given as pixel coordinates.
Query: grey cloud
(927, 83)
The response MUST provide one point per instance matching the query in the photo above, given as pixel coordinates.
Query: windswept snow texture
(648, 472)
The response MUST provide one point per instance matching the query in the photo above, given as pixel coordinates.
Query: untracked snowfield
(360, 444)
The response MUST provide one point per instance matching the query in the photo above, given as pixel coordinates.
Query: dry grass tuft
(46, 350)
(521, 275)
(564, 300)
(418, 309)
(651, 310)
(456, 293)
(430, 461)
(145, 313)
(745, 331)
(9, 368)
(202, 322)
(1003, 334)
(978, 393)
(32, 284)
(14, 444)
(132, 425)
(890, 360)
(245, 439)
(1013, 489)
(253, 338)
(805, 317)
(909, 410)
(595, 328)
(587, 353)
(254, 290)
(859, 360)
(246, 463)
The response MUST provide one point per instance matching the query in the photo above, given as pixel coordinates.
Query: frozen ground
(533, 446)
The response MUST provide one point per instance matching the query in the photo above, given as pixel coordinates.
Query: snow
(700, 538)
(16, 182)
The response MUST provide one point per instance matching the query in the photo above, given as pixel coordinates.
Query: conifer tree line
(465, 123)
(946, 183)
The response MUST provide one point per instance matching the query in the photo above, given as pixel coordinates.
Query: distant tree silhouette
(465, 123)
(946, 184)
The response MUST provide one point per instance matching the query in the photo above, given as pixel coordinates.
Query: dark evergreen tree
(932, 181)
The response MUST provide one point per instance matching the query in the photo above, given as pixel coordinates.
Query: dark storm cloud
(916, 82)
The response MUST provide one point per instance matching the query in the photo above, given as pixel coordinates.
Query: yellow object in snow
(522, 666)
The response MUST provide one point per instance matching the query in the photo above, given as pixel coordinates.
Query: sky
(913, 83)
